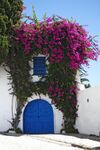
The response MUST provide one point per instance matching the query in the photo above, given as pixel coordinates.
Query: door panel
(38, 117)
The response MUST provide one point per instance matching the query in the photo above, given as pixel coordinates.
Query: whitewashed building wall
(87, 122)
(5, 102)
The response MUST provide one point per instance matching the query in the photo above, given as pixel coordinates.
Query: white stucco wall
(5, 102)
(88, 120)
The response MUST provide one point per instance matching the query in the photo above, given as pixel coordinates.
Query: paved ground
(47, 142)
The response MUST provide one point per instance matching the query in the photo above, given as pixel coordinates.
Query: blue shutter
(39, 66)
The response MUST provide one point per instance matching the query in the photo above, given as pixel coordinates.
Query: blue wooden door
(38, 118)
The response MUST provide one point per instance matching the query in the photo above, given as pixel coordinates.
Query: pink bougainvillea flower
(61, 39)
(48, 20)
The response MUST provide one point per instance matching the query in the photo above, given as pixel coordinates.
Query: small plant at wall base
(66, 46)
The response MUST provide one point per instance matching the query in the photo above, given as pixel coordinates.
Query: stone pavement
(48, 142)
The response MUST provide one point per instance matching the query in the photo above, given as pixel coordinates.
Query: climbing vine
(66, 46)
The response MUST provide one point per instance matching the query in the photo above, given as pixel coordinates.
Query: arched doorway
(38, 118)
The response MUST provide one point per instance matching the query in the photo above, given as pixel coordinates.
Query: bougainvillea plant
(67, 46)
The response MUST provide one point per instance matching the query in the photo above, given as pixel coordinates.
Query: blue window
(39, 64)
